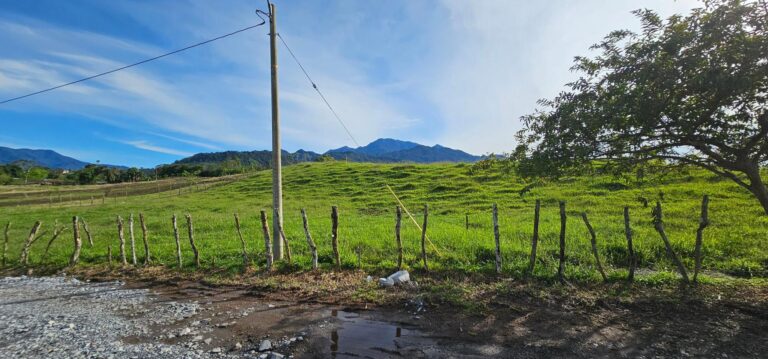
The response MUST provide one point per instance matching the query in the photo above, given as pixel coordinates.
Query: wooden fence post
(703, 223)
(122, 240)
(24, 259)
(424, 238)
(109, 254)
(561, 266)
(496, 238)
(191, 231)
(133, 240)
(87, 232)
(630, 248)
(658, 223)
(267, 241)
(56, 233)
(5, 243)
(535, 239)
(145, 239)
(310, 242)
(178, 243)
(593, 241)
(398, 240)
(242, 243)
(284, 239)
(335, 235)
(78, 243)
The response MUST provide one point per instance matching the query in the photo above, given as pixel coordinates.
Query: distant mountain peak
(393, 150)
(44, 158)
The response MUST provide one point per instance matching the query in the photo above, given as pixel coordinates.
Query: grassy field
(734, 244)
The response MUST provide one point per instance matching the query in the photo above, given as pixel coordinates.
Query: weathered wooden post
(5, 243)
(535, 239)
(424, 238)
(561, 266)
(24, 259)
(122, 240)
(703, 223)
(658, 223)
(593, 241)
(310, 242)
(56, 233)
(145, 239)
(398, 240)
(630, 248)
(87, 232)
(335, 235)
(280, 231)
(178, 243)
(242, 243)
(133, 240)
(267, 242)
(191, 231)
(78, 243)
(496, 238)
(109, 254)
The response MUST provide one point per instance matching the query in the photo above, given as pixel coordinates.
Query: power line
(318, 91)
(134, 64)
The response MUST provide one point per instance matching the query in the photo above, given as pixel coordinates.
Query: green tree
(687, 90)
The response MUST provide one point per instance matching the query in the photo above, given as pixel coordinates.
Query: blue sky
(457, 73)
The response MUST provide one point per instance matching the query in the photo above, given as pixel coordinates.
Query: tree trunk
(757, 186)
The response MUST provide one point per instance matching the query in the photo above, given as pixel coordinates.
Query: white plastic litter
(396, 278)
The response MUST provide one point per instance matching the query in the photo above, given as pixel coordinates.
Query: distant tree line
(26, 172)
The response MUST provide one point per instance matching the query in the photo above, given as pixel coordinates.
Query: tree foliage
(687, 90)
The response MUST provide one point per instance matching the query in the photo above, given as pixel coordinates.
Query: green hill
(734, 244)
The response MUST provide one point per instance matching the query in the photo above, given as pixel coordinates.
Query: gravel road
(61, 317)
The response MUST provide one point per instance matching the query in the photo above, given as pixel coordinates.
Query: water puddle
(359, 335)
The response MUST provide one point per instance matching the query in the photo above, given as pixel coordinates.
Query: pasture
(734, 243)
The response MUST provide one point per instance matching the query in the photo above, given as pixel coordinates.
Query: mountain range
(382, 150)
(45, 158)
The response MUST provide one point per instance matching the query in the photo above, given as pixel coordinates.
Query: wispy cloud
(144, 145)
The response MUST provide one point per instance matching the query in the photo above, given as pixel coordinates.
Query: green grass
(734, 244)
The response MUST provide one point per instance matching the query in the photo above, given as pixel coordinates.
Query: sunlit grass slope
(735, 242)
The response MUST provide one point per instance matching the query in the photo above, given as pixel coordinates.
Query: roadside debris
(398, 277)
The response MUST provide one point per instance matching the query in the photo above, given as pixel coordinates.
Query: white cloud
(144, 145)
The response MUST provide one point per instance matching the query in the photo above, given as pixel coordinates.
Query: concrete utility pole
(277, 177)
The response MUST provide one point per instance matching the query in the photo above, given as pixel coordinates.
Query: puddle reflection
(358, 336)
